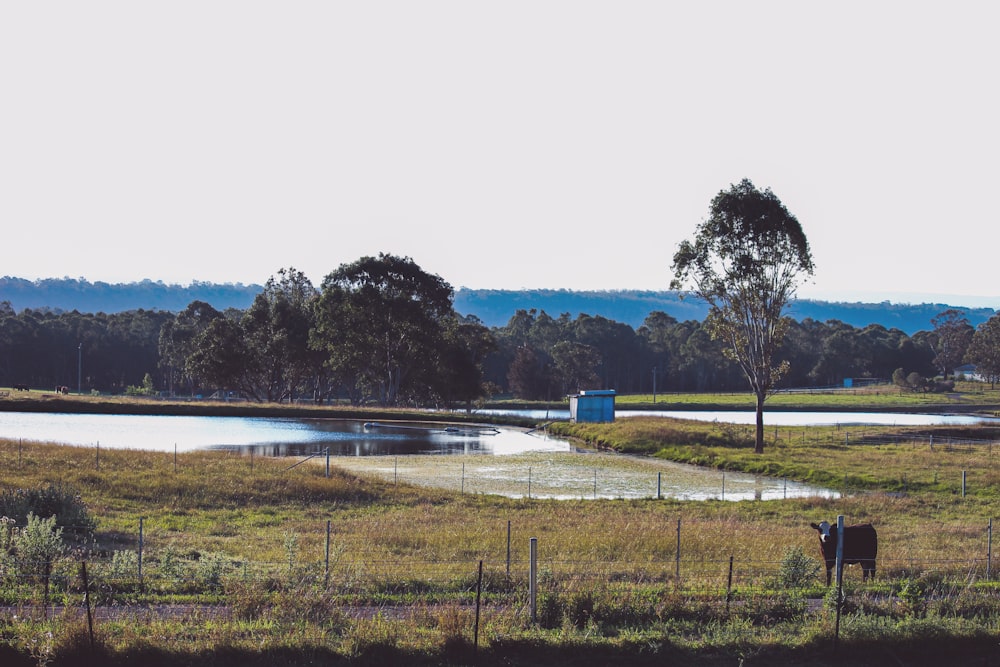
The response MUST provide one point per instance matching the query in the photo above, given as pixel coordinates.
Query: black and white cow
(860, 546)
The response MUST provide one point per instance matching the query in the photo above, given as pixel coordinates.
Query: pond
(270, 436)
(472, 459)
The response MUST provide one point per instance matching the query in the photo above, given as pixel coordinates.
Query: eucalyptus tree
(953, 334)
(658, 332)
(576, 366)
(177, 342)
(380, 322)
(745, 262)
(457, 377)
(984, 350)
(532, 374)
(221, 357)
(276, 328)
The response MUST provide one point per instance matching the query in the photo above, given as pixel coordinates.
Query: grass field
(238, 551)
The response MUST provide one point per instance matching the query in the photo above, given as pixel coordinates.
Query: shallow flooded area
(575, 475)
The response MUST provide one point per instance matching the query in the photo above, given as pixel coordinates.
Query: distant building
(592, 406)
(969, 372)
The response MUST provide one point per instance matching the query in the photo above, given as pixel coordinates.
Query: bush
(55, 500)
(797, 569)
(37, 545)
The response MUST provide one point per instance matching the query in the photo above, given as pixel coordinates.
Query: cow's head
(824, 531)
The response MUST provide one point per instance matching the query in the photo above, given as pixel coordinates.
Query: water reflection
(269, 436)
(518, 462)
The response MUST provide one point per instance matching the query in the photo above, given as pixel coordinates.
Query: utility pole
(79, 369)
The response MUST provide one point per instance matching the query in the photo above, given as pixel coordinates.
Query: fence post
(989, 548)
(463, 477)
(479, 592)
(840, 578)
(677, 558)
(327, 462)
(729, 586)
(86, 601)
(141, 521)
(533, 578)
(529, 483)
(508, 551)
(326, 558)
(658, 487)
(963, 483)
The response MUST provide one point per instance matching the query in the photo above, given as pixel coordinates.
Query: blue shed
(592, 405)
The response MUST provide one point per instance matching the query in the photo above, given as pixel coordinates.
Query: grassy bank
(238, 568)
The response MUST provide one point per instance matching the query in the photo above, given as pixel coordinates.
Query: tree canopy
(380, 321)
(745, 262)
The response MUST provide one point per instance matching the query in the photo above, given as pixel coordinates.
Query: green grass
(609, 592)
(967, 396)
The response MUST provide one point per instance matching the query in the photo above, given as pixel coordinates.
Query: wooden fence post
(86, 601)
(479, 593)
(677, 564)
(840, 578)
(508, 551)
(326, 559)
(141, 535)
(533, 578)
(989, 549)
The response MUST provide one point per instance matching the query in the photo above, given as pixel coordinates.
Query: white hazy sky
(537, 144)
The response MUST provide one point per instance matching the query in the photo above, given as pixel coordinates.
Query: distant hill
(68, 294)
(493, 307)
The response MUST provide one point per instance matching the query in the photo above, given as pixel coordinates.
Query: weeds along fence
(358, 572)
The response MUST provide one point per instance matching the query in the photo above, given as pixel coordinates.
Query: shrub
(37, 545)
(797, 569)
(124, 566)
(55, 500)
(211, 568)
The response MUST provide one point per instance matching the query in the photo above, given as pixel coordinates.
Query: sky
(500, 145)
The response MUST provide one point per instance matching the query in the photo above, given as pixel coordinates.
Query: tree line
(382, 331)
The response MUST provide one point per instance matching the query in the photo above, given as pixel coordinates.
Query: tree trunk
(759, 443)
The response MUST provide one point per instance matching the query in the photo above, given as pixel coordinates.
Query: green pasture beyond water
(608, 594)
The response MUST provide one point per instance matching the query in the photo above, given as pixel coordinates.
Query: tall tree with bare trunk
(746, 261)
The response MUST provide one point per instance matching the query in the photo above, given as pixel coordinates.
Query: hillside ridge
(494, 307)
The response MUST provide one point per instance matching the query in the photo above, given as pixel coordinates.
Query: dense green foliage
(54, 501)
(297, 342)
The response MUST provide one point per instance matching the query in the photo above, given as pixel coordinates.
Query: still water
(269, 436)
(347, 437)
(519, 462)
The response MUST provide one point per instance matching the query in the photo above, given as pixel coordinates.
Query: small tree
(745, 262)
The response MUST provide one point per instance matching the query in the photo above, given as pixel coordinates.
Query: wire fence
(367, 570)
